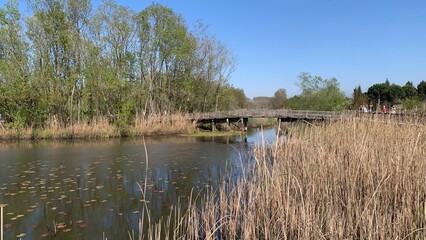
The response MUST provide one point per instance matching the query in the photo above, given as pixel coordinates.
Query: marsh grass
(102, 128)
(359, 178)
(257, 122)
(215, 134)
(162, 125)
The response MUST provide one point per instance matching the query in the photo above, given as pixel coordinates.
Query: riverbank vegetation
(318, 94)
(78, 66)
(261, 122)
(102, 128)
(359, 178)
(69, 63)
(325, 95)
(215, 134)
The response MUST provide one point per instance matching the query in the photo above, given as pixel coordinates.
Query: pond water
(89, 189)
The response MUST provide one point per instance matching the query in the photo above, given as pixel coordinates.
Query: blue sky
(360, 42)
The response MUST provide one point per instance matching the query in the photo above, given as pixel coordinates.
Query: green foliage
(260, 102)
(278, 101)
(294, 103)
(257, 122)
(409, 90)
(412, 103)
(124, 114)
(359, 98)
(240, 100)
(74, 64)
(397, 94)
(68, 134)
(421, 90)
(318, 94)
(231, 98)
(390, 94)
(16, 101)
(380, 91)
(312, 84)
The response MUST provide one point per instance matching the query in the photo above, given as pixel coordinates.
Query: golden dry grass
(14, 133)
(161, 125)
(101, 128)
(352, 179)
(98, 128)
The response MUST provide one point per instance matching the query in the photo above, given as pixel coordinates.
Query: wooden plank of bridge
(301, 114)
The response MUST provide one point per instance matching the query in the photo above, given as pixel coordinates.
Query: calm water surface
(89, 189)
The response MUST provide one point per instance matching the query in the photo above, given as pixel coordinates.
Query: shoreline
(101, 129)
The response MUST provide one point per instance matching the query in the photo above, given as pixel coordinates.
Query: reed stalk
(355, 178)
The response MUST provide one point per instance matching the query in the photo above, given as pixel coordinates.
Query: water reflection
(82, 188)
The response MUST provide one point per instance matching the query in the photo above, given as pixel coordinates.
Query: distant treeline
(326, 95)
(73, 63)
(408, 96)
(317, 94)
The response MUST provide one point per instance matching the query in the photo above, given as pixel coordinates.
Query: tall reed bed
(102, 128)
(162, 124)
(352, 179)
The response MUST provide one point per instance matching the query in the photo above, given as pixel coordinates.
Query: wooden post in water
(1, 222)
(242, 125)
(245, 121)
(213, 126)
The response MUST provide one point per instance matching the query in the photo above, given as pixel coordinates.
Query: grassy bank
(101, 128)
(214, 134)
(258, 122)
(354, 179)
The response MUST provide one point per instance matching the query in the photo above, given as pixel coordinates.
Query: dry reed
(161, 125)
(101, 128)
(352, 179)
(98, 128)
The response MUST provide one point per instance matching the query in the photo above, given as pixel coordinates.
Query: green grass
(254, 122)
(213, 134)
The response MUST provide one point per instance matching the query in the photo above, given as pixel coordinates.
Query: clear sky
(360, 42)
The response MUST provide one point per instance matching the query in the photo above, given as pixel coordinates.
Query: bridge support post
(279, 130)
(244, 124)
(213, 126)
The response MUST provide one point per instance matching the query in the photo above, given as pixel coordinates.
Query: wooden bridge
(242, 116)
(284, 115)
